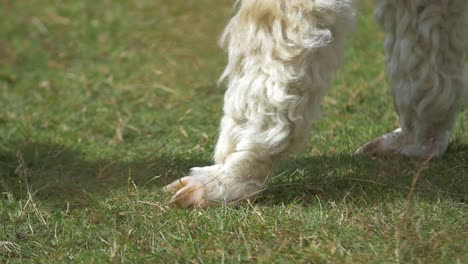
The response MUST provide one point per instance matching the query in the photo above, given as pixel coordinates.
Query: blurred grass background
(104, 102)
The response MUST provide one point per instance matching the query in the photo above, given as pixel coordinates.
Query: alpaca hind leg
(425, 46)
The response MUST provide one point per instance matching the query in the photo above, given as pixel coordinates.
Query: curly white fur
(282, 55)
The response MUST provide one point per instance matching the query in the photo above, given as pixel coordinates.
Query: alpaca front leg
(281, 57)
(425, 46)
(244, 158)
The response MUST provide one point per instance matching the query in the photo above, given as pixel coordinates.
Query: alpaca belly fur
(282, 56)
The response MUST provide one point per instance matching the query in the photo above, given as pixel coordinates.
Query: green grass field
(104, 102)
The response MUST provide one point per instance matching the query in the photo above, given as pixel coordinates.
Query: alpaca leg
(425, 45)
(281, 57)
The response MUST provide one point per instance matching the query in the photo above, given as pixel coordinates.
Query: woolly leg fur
(282, 54)
(425, 45)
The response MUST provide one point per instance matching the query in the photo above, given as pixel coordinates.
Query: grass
(102, 103)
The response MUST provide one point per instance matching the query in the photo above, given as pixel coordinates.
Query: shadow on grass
(59, 176)
(345, 177)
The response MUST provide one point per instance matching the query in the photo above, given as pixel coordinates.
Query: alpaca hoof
(188, 192)
(391, 143)
(399, 143)
(211, 186)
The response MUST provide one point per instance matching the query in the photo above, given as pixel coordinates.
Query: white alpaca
(282, 55)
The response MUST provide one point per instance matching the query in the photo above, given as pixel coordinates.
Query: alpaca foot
(210, 186)
(390, 143)
(399, 143)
